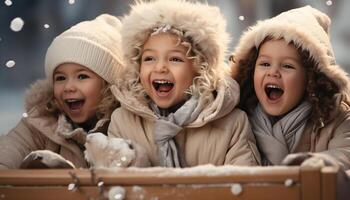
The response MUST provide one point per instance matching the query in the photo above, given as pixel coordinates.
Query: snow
(10, 63)
(71, 1)
(8, 2)
(288, 182)
(71, 187)
(116, 193)
(241, 18)
(24, 115)
(201, 170)
(17, 24)
(329, 3)
(236, 189)
(46, 26)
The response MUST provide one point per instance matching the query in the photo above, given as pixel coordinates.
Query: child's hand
(310, 159)
(43, 159)
(102, 151)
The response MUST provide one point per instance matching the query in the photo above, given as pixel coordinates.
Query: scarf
(275, 141)
(167, 127)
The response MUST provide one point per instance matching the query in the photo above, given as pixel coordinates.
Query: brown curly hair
(319, 90)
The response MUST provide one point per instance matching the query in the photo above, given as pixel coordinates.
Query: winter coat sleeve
(113, 128)
(339, 144)
(243, 150)
(18, 143)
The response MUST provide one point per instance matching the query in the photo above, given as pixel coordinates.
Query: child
(296, 97)
(75, 98)
(176, 98)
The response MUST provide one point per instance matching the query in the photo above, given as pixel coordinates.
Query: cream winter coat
(40, 130)
(308, 28)
(221, 134)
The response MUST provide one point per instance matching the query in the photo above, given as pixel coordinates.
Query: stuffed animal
(102, 151)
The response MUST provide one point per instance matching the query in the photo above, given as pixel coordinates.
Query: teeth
(162, 81)
(71, 100)
(273, 86)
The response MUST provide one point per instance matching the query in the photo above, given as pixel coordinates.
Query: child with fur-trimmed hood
(177, 99)
(296, 96)
(74, 100)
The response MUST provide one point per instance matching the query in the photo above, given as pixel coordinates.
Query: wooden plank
(310, 179)
(203, 192)
(329, 183)
(146, 176)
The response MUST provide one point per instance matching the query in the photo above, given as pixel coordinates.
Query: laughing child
(177, 100)
(74, 99)
(296, 97)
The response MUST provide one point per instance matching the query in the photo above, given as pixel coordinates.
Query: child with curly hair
(296, 96)
(177, 99)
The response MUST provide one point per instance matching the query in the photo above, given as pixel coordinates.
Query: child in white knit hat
(74, 100)
(177, 99)
(296, 97)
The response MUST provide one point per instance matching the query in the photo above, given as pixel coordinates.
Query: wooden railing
(203, 182)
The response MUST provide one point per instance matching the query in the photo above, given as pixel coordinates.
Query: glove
(102, 151)
(310, 159)
(321, 160)
(45, 159)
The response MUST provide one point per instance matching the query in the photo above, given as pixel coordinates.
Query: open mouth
(162, 85)
(74, 104)
(273, 92)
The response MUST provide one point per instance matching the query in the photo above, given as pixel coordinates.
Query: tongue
(165, 88)
(275, 94)
(76, 105)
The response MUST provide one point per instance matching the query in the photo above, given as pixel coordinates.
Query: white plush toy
(102, 151)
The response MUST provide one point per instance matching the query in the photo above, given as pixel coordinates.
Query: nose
(161, 66)
(69, 86)
(274, 72)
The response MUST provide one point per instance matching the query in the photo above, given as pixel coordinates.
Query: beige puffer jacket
(40, 130)
(220, 135)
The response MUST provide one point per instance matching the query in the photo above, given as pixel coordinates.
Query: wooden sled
(203, 182)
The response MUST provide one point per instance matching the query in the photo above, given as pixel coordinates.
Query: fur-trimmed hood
(204, 24)
(38, 95)
(308, 28)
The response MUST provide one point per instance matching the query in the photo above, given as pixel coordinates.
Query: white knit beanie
(307, 28)
(94, 44)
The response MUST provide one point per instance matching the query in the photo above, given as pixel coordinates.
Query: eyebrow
(296, 59)
(173, 50)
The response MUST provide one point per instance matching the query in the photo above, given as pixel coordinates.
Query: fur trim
(307, 28)
(203, 23)
(38, 95)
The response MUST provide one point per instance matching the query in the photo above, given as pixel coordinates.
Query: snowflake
(17, 24)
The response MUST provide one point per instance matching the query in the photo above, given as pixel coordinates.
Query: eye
(59, 78)
(264, 64)
(176, 59)
(83, 76)
(288, 66)
(148, 58)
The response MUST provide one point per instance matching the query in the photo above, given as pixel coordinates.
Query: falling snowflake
(17, 24)
(241, 18)
(46, 26)
(329, 3)
(25, 115)
(8, 2)
(116, 193)
(236, 189)
(10, 63)
(71, 1)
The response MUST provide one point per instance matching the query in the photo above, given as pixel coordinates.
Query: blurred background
(44, 19)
